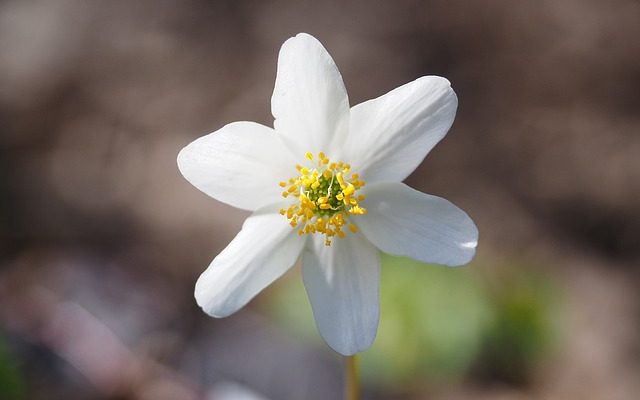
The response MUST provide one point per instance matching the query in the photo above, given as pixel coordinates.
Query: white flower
(305, 179)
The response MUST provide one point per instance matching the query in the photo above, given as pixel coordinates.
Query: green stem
(351, 378)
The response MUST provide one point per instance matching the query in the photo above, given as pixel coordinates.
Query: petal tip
(305, 36)
(181, 160)
(467, 254)
(203, 299)
(468, 247)
(299, 39)
(207, 301)
(435, 79)
(351, 348)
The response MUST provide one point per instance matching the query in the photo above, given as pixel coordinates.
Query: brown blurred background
(101, 239)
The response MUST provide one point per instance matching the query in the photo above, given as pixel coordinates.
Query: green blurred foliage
(11, 380)
(525, 325)
(430, 325)
(438, 324)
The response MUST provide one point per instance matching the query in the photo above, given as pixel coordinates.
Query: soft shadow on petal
(309, 101)
(342, 282)
(390, 136)
(240, 164)
(265, 248)
(405, 222)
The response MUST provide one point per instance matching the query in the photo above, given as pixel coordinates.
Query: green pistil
(322, 191)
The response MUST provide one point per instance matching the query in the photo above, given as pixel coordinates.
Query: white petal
(342, 282)
(265, 248)
(309, 101)
(405, 222)
(240, 164)
(391, 135)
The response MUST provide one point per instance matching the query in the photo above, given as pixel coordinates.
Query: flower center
(325, 198)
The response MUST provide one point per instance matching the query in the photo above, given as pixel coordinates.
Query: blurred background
(102, 240)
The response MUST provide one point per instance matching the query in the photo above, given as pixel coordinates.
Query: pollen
(324, 198)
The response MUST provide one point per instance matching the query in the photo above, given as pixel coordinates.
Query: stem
(351, 378)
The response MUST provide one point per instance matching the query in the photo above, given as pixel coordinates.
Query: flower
(326, 184)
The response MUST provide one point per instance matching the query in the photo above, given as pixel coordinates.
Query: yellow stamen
(325, 198)
(349, 190)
